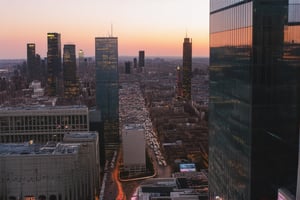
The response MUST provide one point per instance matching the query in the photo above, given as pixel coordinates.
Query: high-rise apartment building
(71, 88)
(254, 97)
(107, 88)
(54, 64)
(187, 68)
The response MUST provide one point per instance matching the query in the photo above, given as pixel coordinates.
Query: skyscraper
(141, 58)
(81, 64)
(187, 68)
(71, 88)
(107, 88)
(254, 97)
(54, 64)
(31, 61)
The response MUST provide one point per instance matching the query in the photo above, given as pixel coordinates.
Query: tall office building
(31, 61)
(134, 63)
(254, 97)
(127, 67)
(141, 58)
(54, 64)
(82, 62)
(187, 68)
(71, 88)
(107, 88)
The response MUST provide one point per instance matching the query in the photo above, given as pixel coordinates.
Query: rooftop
(38, 149)
(134, 127)
(80, 136)
(42, 107)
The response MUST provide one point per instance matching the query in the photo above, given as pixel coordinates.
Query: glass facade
(31, 62)
(71, 88)
(53, 63)
(107, 86)
(254, 97)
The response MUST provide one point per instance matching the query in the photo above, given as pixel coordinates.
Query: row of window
(218, 4)
(233, 18)
(232, 38)
(42, 120)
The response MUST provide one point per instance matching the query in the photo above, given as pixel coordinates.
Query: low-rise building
(55, 171)
(41, 123)
(134, 148)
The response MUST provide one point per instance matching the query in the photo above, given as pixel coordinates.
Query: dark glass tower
(71, 88)
(31, 60)
(54, 64)
(254, 97)
(141, 58)
(107, 88)
(187, 68)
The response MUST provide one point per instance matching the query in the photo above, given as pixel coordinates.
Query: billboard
(187, 167)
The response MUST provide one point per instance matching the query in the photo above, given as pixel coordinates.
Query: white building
(55, 171)
(134, 147)
(41, 123)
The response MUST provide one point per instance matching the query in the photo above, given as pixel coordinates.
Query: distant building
(187, 68)
(141, 58)
(71, 86)
(54, 69)
(107, 88)
(179, 92)
(127, 67)
(82, 64)
(31, 61)
(134, 63)
(134, 148)
(38, 91)
(41, 123)
(68, 170)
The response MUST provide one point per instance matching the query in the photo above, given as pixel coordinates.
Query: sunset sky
(156, 26)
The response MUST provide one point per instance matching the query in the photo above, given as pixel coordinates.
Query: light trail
(121, 195)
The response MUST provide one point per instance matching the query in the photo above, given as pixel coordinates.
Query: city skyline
(155, 26)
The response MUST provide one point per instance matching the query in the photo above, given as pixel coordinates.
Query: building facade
(54, 70)
(41, 123)
(107, 88)
(187, 68)
(141, 58)
(71, 86)
(68, 170)
(82, 62)
(31, 60)
(254, 97)
(134, 148)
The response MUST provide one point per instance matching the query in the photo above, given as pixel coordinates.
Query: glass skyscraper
(107, 87)
(254, 97)
(53, 64)
(31, 60)
(71, 88)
